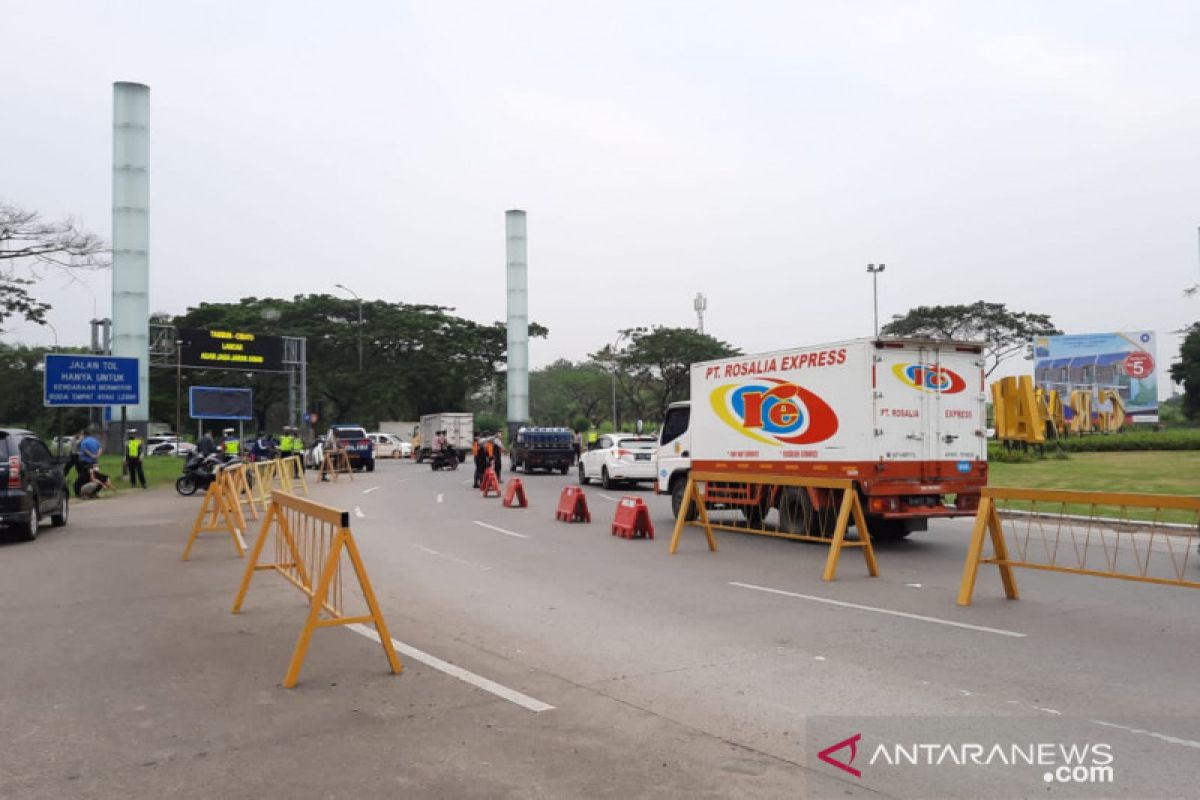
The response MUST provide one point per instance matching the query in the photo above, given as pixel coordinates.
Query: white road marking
(613, 499)
(240, 539)
(372, 489)
(359, 513)
(1049, 711)
(1152, 734)
(913, 585)
(441, 498)
(500, 530)
(478, 681)
(818, 658)
(440, 554)
(905, 614)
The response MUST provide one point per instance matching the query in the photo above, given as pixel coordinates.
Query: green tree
(564, 391)
(417, 359)
(1187, 371)
(21, 399)
(1006, 332)
(28, 245)
(652, 366)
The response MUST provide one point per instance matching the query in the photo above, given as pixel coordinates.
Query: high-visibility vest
(232, 446)
(490, 451)
(475, 447)
(134, 448)
(286, 443)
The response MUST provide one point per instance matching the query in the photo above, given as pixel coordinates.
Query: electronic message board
(225, 349)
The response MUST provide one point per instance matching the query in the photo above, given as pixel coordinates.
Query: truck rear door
(928, 406)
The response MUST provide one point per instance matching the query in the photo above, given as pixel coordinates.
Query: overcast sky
(1042, 155)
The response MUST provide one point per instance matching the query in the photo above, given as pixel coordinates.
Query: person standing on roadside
(89, 456)
(481, 459)
(497, 454)
(135, 451)
(73, 454)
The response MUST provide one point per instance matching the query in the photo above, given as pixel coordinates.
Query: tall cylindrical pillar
(518, 319)
(131, 234)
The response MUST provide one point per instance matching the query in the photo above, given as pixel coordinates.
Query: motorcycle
(198, 472)
(446, 458)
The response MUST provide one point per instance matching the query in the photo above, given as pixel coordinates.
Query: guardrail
(811, 509)
(1137, 537)
(309, 540)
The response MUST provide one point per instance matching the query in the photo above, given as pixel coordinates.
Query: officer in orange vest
(478, 453)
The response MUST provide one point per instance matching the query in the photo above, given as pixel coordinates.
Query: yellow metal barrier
(1136, 537)
(265, 473)
(336, 462)
(221, 509)
(290, 472)
(796, 510)
(309, 540)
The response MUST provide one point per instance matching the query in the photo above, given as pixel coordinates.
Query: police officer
(135, 450)
(230, 446)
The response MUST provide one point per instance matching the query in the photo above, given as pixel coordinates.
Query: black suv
(31, 483)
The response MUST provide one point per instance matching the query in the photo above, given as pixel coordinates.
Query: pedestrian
(96, 480)
(479, 453)
(575, 440)
(89, 456)
(135, 451)
(495, 454)
(207, 445)
(73, 454)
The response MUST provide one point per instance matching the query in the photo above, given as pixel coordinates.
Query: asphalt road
(595, 666)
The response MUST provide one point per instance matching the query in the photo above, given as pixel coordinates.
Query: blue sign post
(86, 380)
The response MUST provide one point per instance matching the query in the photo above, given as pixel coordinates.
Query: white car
(167, 446)
(618, 458)
(389, 445)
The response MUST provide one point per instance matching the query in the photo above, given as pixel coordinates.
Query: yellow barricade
(264, 473)
(290, 472)
(336, 462)
(221, 509)
(796, 508)
(1135, 537)
(309, 540)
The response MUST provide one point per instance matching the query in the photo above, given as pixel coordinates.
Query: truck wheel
(755, 515)
(677, 490)
(795, 510)
(583, 478)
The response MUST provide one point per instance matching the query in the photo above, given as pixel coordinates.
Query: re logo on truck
(774, 412)
(929, 378)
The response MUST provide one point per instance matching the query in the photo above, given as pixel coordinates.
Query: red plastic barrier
(572, 506)
(632, 519)
(514, 489)
(489, 483)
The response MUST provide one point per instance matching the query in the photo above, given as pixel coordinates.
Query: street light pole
(360, 322)
(875, 269)
(178, 395)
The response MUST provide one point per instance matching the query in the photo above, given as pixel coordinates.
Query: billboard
(225, 349)
(220, 402)
(1123, 361)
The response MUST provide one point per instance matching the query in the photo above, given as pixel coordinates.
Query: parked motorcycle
(199, 471)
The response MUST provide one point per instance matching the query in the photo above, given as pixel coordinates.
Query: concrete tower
(131, 234)
(518, 320)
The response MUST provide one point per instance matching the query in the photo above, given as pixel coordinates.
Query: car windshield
(637, 444)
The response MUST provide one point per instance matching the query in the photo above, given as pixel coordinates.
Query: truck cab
(673, 457)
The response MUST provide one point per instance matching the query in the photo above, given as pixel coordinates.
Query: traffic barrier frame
(336, 462)
(849, 508)
(989, 526)
(222, 508)
(323, 536)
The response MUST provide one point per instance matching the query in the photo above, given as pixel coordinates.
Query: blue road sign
(84, 380)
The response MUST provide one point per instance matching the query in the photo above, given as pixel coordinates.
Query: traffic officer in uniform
(230, 446)
(135, 451)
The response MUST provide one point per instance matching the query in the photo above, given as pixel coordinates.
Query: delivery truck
(459, 428)
(904, 419)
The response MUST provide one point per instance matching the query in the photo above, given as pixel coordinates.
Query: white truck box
(459, 428)
(903, 418)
